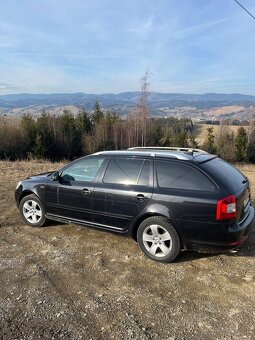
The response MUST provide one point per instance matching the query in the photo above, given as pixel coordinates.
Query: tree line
(69, 136)
(239, 147)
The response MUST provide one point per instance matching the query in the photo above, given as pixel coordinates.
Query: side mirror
(55, 176)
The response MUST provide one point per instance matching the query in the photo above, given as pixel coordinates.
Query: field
(200, 131)
(70, 282)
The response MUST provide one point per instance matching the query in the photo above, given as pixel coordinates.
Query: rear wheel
(158, 239)
(31, 211)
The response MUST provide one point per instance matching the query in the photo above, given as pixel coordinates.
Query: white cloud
(184, 33)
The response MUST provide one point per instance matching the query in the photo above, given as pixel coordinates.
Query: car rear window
(232, 178)
(175, 175)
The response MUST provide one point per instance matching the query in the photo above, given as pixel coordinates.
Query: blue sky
(99, 46)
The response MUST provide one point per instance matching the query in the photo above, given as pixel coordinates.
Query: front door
(75, 189)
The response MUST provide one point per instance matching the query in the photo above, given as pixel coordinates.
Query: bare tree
(137, 119)
(143, 107)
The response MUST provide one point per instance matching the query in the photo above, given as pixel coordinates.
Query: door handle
(141, 197)
(85, 191)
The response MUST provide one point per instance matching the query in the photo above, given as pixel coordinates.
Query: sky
(106, 46)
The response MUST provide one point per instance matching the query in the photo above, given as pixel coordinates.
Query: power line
(246, 10)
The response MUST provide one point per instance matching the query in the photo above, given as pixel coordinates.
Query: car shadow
(51, 223)
(192, 255)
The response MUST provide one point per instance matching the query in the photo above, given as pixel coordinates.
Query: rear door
(123, 191)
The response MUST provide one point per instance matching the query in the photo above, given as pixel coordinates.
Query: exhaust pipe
(234, 251)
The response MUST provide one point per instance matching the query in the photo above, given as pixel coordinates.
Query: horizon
(106, 47)
(117, 93)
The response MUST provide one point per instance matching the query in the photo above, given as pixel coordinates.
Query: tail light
(226, 208)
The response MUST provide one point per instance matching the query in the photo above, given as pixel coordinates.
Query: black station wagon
(168, 199)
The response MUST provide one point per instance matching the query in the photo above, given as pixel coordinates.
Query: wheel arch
(36, 217)
(152, 214)
(140, 219)
(27, 193)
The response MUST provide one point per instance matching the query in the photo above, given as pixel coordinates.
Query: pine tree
(226, 145)
(241, 144)
(28, 125)
(46, 133)
(97, 112)
(69, 136)
(209, 145)
(38, 149)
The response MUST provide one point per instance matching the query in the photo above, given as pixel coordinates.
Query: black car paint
(118, 208)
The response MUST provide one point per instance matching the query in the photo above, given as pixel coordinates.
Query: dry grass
(11, 173)
(225, 110)
(200, 131)
(15, 171)
(249, 171)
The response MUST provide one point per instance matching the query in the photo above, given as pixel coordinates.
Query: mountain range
(159, 103)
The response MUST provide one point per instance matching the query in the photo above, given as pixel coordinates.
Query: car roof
(185, 154)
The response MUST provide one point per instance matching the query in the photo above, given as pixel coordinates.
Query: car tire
(158, 239)
(32, 211)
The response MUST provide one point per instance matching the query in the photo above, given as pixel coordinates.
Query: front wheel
(158, 239)
(31, 211)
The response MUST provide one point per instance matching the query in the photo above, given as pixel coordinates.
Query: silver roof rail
(167, 148)
(128, 152)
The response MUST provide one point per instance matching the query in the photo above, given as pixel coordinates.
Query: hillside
(199, 106)
(200, 131)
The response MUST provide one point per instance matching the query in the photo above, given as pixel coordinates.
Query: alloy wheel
(157, 240)
(32, 211)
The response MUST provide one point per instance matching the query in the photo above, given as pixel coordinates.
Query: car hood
(40, 176)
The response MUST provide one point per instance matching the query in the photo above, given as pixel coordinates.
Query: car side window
(84, 170)
(127, 171)
(181, 176)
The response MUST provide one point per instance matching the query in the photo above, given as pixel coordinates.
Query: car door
(122, 192)
(74, 190)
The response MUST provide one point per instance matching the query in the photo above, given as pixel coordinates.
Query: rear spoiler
(203, 158)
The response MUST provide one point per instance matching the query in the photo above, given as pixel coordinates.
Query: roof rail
(145, 152)
(168, 148)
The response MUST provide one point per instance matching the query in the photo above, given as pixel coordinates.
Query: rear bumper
(239, 232)
(227, 237)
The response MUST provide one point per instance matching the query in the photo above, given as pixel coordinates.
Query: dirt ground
(70, 282)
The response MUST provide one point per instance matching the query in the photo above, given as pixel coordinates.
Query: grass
(200, 131)
(11, 173)
(249, 171)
